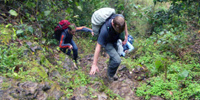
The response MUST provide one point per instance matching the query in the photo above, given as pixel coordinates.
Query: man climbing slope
(109, 34)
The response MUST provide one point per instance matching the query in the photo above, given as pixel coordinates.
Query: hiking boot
(75, 66)
(110, 79)
(77, 62)
(115, 77)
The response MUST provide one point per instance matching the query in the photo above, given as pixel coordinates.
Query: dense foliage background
(166, 33)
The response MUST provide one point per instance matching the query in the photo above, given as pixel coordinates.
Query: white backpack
(99, 17)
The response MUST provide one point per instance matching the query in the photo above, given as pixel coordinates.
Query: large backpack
(130, 39)
(99, 17)
(62, 25)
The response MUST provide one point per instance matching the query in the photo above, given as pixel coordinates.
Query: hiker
(108, 35)
(66, 41)
(128, 47)
(100, 16)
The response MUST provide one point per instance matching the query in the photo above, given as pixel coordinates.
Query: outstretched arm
(85, 29)
(126, 34)
(94, 66)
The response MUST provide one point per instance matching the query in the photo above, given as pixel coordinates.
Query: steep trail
(128, 80)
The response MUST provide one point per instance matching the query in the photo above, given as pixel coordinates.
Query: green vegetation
(166, 34)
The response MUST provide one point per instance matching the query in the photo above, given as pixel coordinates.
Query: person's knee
(75, 48)
(117, 60)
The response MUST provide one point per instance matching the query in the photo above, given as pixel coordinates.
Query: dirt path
(127, 82)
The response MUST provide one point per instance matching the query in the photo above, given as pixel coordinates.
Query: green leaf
(76, 3)
(70, 1)
(158, 64)
(164, 60)
(68, 10)
(58, 48)
(159, 41)
(13, 12)
(79, 7)
(31, 5)
(8, 25)
(183, 75)
(30, 29)
(133, 14)
(46, 13)
(19, 31)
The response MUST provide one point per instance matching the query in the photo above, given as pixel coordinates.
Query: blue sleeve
(85, 29)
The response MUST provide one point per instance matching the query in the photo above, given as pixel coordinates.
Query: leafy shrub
(178, 14)
(10, 57)
(168, 89)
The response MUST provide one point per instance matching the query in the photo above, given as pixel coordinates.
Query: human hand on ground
(92, 33)
(94, 69)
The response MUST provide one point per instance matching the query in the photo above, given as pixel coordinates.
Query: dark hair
(72, 26)
(119, 23)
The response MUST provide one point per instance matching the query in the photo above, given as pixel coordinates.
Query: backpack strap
(66, 31)
(60, 26)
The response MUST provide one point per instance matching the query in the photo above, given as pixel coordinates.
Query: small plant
(10, 57)
(23, 30)
(161, 65)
